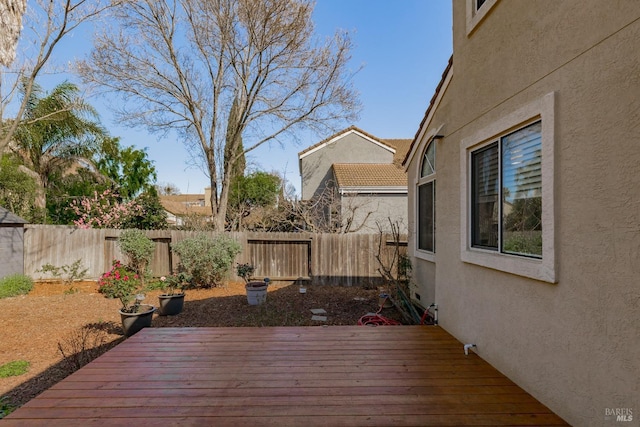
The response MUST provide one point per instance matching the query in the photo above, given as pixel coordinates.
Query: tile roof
(183, 198)
(369, 175)
(178, 208)
(402, 147)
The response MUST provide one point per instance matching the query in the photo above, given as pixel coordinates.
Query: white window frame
(543, 269)
(431, 137)
(474, 16)
(431, 178)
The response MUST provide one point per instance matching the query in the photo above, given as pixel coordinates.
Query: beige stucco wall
(372, 212)
(573, 344)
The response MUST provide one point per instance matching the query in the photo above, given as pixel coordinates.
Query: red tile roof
(368, 175)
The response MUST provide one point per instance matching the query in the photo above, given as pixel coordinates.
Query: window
(507, 219)
(427, 200)
(476, 12)
(506, 194)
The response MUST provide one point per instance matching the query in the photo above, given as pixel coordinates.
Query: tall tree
(247, 193)
(46, 24)
(59, 130)
(128, 168)
(11, 12)
(182, 64)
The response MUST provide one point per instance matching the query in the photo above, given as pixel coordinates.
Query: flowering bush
(103, 210)
(175, 283)
(124, 284)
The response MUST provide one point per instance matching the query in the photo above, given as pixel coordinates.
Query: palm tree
(59, 132)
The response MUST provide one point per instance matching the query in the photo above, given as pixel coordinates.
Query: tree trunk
(40, 201)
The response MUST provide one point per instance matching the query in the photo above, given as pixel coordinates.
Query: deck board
(312, 376)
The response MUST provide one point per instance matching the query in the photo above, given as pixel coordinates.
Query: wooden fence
(331, 259)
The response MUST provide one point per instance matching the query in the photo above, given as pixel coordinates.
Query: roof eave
(428, 115)
(374, 190)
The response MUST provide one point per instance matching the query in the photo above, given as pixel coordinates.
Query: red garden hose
(375, 319)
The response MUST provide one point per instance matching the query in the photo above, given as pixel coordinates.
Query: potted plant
(172, 300)
(256, 290)
(123, 283)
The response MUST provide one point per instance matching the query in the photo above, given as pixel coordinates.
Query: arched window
(427, 200)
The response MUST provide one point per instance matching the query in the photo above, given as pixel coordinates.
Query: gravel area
(37, 326)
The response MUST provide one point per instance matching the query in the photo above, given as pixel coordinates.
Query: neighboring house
(531, 245)
(11, 243)
(185, 208)
(359, 178)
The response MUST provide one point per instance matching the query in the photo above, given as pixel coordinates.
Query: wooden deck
(286, 376)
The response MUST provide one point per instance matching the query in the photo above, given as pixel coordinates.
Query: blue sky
(404, 46)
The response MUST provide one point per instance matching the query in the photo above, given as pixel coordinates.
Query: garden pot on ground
(256, 292)
(133, 322)
(170, 304)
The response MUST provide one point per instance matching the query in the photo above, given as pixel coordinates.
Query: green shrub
(13, 369)
(208, 260)
(16, 284)
(138, 248)
(67, 273)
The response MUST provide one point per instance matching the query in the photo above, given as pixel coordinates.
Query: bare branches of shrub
(87, 343)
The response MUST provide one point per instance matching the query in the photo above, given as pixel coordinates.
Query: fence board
(328, 259)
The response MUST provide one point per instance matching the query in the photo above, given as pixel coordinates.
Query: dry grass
(40, 326)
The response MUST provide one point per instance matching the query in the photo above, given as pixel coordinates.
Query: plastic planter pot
(133, 322)
(256, 292)
(170, 305)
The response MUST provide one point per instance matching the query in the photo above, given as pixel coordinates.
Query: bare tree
(11, 12)
(47, 23)
(167, 189)
(325, 213)
(183, 65)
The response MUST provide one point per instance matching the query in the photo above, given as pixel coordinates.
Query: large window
(506, 194)
(427, 200)
(507, 219)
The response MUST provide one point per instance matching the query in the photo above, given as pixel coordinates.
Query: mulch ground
(50, 320)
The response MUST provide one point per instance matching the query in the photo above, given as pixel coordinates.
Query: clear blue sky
(404, 46)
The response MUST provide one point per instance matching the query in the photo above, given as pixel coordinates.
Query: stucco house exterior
(531, 244)
(362, 174)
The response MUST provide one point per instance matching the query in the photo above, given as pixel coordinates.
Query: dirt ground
(39, 326)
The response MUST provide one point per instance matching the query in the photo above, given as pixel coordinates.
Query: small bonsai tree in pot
(173, 286)
(256, 290)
